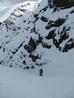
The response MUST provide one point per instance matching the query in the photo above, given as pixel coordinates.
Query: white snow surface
(16, 83)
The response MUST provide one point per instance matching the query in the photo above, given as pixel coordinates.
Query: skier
(41, 72)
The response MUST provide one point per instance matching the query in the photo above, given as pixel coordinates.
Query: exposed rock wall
(61, 3)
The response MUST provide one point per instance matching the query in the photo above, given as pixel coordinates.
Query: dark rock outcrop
(56, 23)
(61, 3)
(31, 45)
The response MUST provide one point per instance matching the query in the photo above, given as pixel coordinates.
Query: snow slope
(16, 83)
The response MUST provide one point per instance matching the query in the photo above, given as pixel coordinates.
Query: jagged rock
(33, 30)
(45, 45)
(51, 35)
(63, 37)
(44, 19)
(56, 23)
(44, 9)
(27, 67)
(34, 57)
(40, 64)
(36, 16)
(24, 62)
(55, 42)
(68, 46)
(31, 45)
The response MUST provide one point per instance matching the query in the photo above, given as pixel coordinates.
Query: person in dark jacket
(41, 72)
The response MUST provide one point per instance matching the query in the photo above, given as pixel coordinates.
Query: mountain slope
(39, 39)
(7, 7)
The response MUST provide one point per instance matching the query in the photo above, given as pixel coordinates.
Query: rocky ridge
(26, 37)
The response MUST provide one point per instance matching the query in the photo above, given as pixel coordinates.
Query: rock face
(61, 3)
(31, 40)
(31, 46)
(56, 23)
